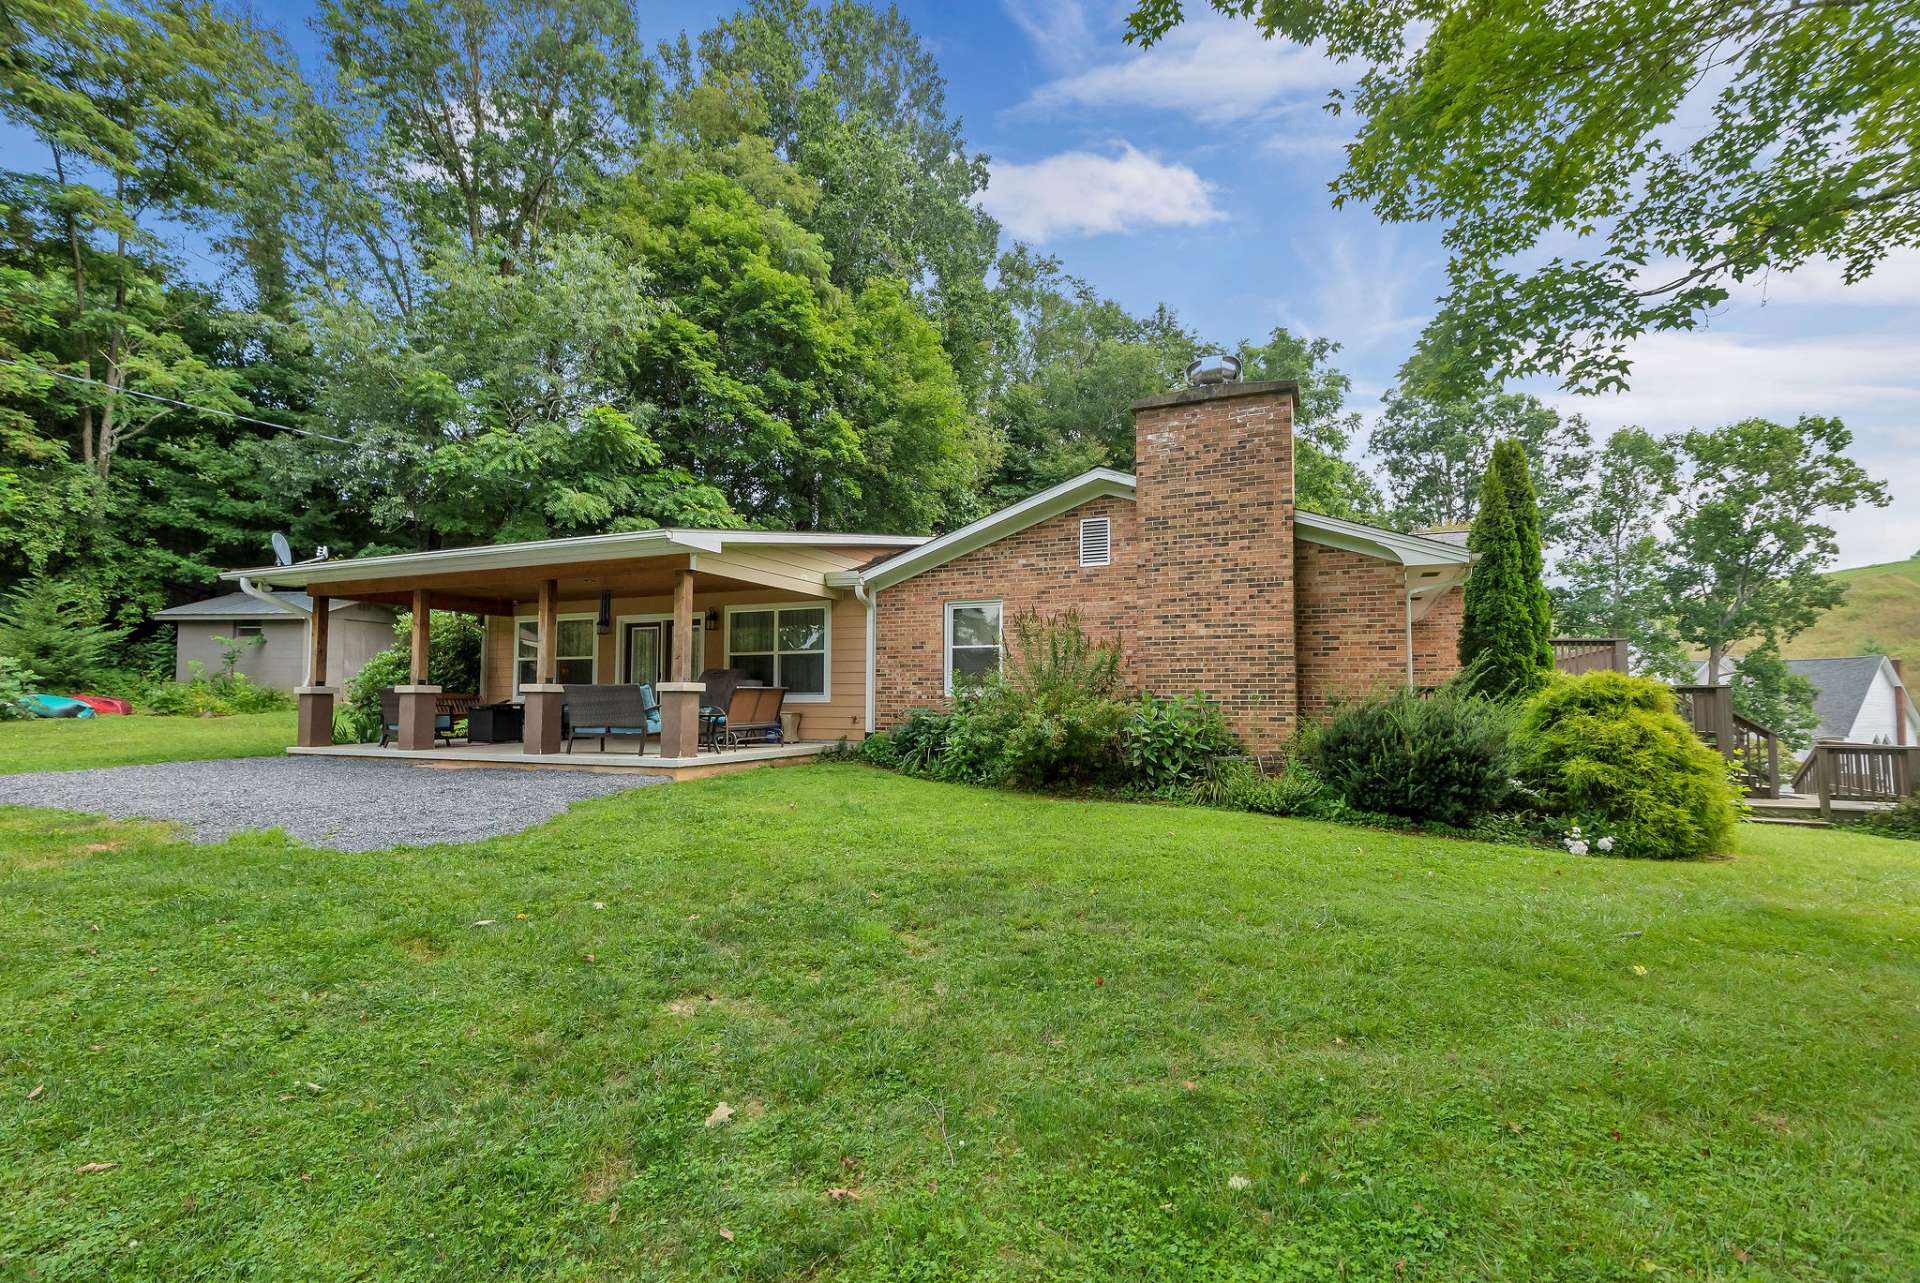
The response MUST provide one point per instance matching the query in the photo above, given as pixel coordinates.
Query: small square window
(1096, 541)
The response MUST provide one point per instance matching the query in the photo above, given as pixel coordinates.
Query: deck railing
(1752, 747)
(1841, 772)
(1578, 655)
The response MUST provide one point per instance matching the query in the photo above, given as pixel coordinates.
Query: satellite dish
(282, 551)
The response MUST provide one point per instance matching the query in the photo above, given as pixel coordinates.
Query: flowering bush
(1579, 841)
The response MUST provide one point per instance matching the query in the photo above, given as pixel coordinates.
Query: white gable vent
(1096, 541)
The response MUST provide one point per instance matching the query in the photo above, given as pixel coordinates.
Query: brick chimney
(1214, 499)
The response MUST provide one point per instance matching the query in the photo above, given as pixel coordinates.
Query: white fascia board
(557, 552)
(1098, 483)
(1371, 541)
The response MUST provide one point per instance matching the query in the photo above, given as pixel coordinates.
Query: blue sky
(1196, 174)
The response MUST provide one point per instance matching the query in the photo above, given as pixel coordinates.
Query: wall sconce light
(713, 617)
(603, 623)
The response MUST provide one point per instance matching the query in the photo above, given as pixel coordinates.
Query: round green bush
(1609, 749)
(1440, 758)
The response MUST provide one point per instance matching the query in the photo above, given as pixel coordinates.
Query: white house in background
(358, 631)
(1860, 699)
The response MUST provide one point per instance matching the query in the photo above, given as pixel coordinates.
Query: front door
(648, 647)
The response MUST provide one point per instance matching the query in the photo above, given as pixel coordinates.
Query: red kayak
(103, 706)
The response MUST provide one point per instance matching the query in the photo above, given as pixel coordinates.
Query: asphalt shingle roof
(237, 605)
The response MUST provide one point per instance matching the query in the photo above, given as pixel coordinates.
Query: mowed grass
(72, 744)
(960, 1034)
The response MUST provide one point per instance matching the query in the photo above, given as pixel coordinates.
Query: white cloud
(1705, 380)
(1084, 193)
(1357, 285)
(1058, 30)
(1216, 69)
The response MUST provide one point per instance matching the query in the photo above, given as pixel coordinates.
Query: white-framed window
(973, 640)
(783, 645)
(1096, 541)
(574, 649)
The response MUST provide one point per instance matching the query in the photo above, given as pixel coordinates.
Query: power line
(184, 405)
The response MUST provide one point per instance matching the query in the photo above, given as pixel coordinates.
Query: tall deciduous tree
(1610, 576)
(1435, 453)
(1505, 628)
(1324, 479)
(1750, 537)
(1523, 123)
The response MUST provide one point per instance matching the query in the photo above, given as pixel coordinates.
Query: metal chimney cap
(1218, 368)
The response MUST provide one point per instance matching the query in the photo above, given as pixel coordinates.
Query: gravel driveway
(347, 805)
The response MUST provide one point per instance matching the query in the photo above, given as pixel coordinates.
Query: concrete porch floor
(586, 756)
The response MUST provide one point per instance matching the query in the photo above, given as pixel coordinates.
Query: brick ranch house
(1199, 565)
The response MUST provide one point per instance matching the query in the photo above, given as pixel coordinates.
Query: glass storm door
(649, 651)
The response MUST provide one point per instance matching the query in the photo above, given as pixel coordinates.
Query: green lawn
(1030, 1039)
(71, 744)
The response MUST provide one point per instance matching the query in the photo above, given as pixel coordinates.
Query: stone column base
(540, 729)
(418, 706)
(680, 717)
(316, 715)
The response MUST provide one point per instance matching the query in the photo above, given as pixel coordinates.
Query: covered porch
(651, 608)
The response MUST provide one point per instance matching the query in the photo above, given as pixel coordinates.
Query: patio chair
(444, 714)
(612, 710)
(720, 684)
(753, 717)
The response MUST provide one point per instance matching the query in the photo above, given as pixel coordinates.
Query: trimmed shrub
(1506, 620)
(1442, 758)
(1175, 743)
(1609, 749)
(1903, 821)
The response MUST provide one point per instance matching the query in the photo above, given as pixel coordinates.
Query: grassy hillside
(1881, 613)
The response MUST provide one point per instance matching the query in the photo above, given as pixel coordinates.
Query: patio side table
(495, 723)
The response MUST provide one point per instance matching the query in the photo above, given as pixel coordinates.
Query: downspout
(1409, 605)
(861, 594)
(279, 603)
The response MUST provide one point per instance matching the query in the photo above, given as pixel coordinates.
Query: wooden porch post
(315, 728)
(680, 698)
(419, 700)
(540, 731)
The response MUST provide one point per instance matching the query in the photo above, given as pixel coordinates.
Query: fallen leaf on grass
(1740, 1255)
(1190, 1085)
(721, 1113)
(840, 1194)
(1237, 1181)
(486, 922)
(726, 1234)
(1639, 970)
(613, 1212)
(589, 957)
(35, 1093)
(598, 904)
(313, 1087)
(87, 1169)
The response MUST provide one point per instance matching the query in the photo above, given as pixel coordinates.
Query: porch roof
(640, 563)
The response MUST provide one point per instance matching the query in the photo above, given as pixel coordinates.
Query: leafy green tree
(1521, 124)
(1610, 576)
(1324, 479)
(1435, 452)
(1505, 627)
(141, 114)
(1770, 693)
(1749, 537)
(771, 379)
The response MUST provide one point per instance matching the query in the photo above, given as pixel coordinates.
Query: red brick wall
(1215, 497)
(1351, 625)
(1436, 640)
(1036, 570)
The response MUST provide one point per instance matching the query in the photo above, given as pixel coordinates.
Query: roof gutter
(266, 595)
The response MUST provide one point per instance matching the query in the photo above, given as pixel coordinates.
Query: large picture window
(781, 646)
(973, 641)
(574, 649)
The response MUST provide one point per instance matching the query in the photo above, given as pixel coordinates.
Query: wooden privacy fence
(1754, 748)
(1578, 655)
(1857, 773)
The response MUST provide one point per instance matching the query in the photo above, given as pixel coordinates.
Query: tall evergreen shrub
(1507, 622)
